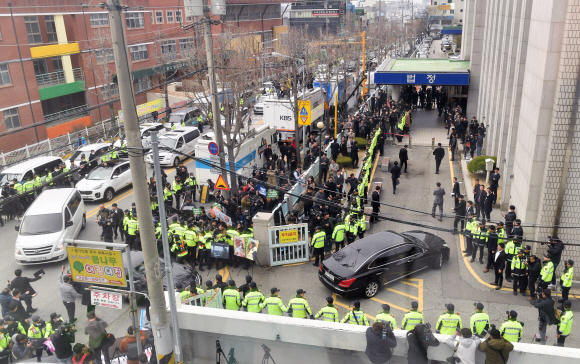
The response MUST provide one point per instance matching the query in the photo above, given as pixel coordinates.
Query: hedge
(478, 164)
(344, 161)
(361, 143)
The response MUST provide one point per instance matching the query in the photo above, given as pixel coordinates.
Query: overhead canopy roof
(452, 30)
(421, 71)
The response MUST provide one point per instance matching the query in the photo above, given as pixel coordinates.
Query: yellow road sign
(221, 184)
(304, 113)
(97, 266)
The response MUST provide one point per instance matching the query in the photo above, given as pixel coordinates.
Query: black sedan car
(361, 268)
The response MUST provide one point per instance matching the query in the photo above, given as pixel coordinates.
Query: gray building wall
(525, 73)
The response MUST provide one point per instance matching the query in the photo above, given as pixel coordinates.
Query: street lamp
(320, 125)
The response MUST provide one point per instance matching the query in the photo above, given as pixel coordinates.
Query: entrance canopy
(416, 71)
(452, 30)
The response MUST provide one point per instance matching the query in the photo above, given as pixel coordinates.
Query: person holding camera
(546, 313)
(62, 341)
(464, 345)
(98, 337)
(555, 248)
(22, 348)
(534, 268)
(380, 342)
(496, 348)
(419, 340)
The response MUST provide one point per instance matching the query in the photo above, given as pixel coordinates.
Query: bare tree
(102, 63)
(166, 57)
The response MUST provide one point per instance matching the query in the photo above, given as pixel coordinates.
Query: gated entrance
(288, 244)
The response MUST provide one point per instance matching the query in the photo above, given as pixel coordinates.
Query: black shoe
(523, 294)
(508, 279)
(201, 269)
(437, 172)
(393, 192)
(481, 262)
(515, 293)
(560, 301)
(315, 264)
(33, 310)
(440, 219)
(115, 237)
(467, 254)
(433, 216)
(472, 260)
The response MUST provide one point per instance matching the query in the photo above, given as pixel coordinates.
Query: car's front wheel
(371, 289)
(109, 194)
(438, 261)
(84, 223)
(176, 162)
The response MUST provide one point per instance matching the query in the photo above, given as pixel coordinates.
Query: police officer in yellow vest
(318, 243)
(511, 329)
(38, 331)
(192, 183)
(479, 321)
(449, 322)
(412, 318)
(329, 312)
(356, 316)
(386, 316)
(177, 189)
(132, 227)
(179, 248)
(253, 299)
(566, 280)
(519, 273)
(362, 225)
(183, 294)
(274, 303)
(231, 297)
(546, 273)
(339, 234)
(37, 180)
(18, 186)
(113, 153)
(298, 306)
(204, 249)
(5, 342)
(565, 325)
(190, 237)
(351, 226)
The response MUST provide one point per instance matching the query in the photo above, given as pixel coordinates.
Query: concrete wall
(309, 341)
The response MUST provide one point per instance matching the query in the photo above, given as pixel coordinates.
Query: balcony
(57, 78)
(67, 115)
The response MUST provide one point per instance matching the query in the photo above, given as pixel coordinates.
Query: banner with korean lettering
(97, 266)
(106, 299)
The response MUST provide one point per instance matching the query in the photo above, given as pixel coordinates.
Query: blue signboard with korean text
(402, 78)
(262, 190)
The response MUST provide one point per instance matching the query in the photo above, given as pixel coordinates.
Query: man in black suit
(375, 204)
(117, 221)
(404, 157)
(23, 284)
(439, 153)
(395, 175)
(499, 265)
(459, 213)
(476, 189)
(488, 204)
(517, 231)
(456, 191)
(510, 217)
(494, 184)
(470, 209)
(480, 202)
(452, 145)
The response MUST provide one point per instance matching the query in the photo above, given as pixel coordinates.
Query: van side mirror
(68, 224)
(115, 176)
(17, 228)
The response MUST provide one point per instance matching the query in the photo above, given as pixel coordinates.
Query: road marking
(295, 264)
(348, 307)
(401, 293)
(390, 304)
(94, 211)
(462, 244)
(226, 274)
(375, 168)
(410, 284)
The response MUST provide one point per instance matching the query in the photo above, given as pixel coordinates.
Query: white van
(22, 171)
(186, 115)
(182, 139)
(145, 129)
(55, 215)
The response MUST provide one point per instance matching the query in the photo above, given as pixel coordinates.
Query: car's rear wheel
(371, 289)
(84, 223)
(438, 261)
(109, 194)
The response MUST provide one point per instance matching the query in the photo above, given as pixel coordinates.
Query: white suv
(104, 181)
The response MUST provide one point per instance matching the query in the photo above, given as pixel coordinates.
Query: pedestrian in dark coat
(395, 175)
(439, 153)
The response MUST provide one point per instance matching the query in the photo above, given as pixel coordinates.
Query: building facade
(58, 65)
(313, 15)
(525, 86)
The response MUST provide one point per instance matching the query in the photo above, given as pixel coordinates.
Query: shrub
(478, 164)
(361, 142)
(344, 161)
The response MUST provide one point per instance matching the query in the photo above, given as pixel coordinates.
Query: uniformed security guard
(53, 324)
(479, 321)
(36, 180)
(231, 297)
(38, 331)
(18, 186)
(183, 294)
(362, 225)
(190, 238)
(565, 325)
(204, 240)
(449, 322)
(126, 219)
(351, 228)
(177, 189)
(298, 306)
(512, 329)
(274, 303)
(180, 248)
(113, 154)
(511, 250)
(412, 318)
(566, 280)
(355, 316)
(5, 341)
(338, 234)
(519, 273)
(547, 272)
(132, 227)
(386, 316)
(470, 228)
(13, 326)
(479, 242)
(318, 243)
(329, 312)
(167, 196)
(192, 183)
(253, 299)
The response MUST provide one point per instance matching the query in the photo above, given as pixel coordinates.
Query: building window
(50, 29)
(169, 14)
(32, 29)
(178, 17)
(57, 64)
(186, 45)
(99, 20)
(452, 11)
(139, 52)
(40, 67)
(110, 92)
(104, 54)
(461, 10)
(168, 49)
(4, 75)
(189, 18)
(11, 118)
(134, 20)
(159, 17)
(142, 84)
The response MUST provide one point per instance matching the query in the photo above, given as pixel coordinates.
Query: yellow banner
(97, 266)
(444, 7)
(304, 113)
(145, 108)
(55, 50)
(289, 236)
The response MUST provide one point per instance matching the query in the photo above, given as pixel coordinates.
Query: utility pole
(326, 15)
(217, 123)
(163, 340)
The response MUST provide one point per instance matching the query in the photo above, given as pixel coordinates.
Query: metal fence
(288, 244)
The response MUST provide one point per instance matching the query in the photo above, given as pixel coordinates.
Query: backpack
(132, 353)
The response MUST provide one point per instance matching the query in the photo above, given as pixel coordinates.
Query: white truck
(250, 154)
(278, 113)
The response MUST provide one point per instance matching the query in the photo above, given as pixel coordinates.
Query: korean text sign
(97, 266)
(106, 299)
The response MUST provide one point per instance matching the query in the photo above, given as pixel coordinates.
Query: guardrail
(57, 78)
